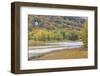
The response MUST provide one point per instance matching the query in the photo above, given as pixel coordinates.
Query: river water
(36, 51)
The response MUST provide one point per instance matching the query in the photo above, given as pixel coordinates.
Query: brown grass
(66, 54)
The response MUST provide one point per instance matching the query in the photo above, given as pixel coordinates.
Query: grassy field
(75, 53)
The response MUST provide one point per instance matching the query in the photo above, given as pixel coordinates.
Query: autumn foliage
(84, 34)
(42, 34)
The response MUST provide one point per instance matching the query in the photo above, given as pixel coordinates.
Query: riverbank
(74, 53)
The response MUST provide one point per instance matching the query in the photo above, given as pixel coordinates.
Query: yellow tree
(84, 34)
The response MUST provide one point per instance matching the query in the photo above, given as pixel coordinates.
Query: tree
(58, 36)
(84, 34)
(74, 35)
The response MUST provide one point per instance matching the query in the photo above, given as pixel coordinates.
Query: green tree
(74, 35)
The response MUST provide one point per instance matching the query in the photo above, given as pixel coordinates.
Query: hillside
(53, 22)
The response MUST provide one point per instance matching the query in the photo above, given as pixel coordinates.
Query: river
(36, 51)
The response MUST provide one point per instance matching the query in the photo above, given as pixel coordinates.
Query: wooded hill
(53, 22)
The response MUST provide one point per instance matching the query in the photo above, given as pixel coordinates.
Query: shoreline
(74, 53)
